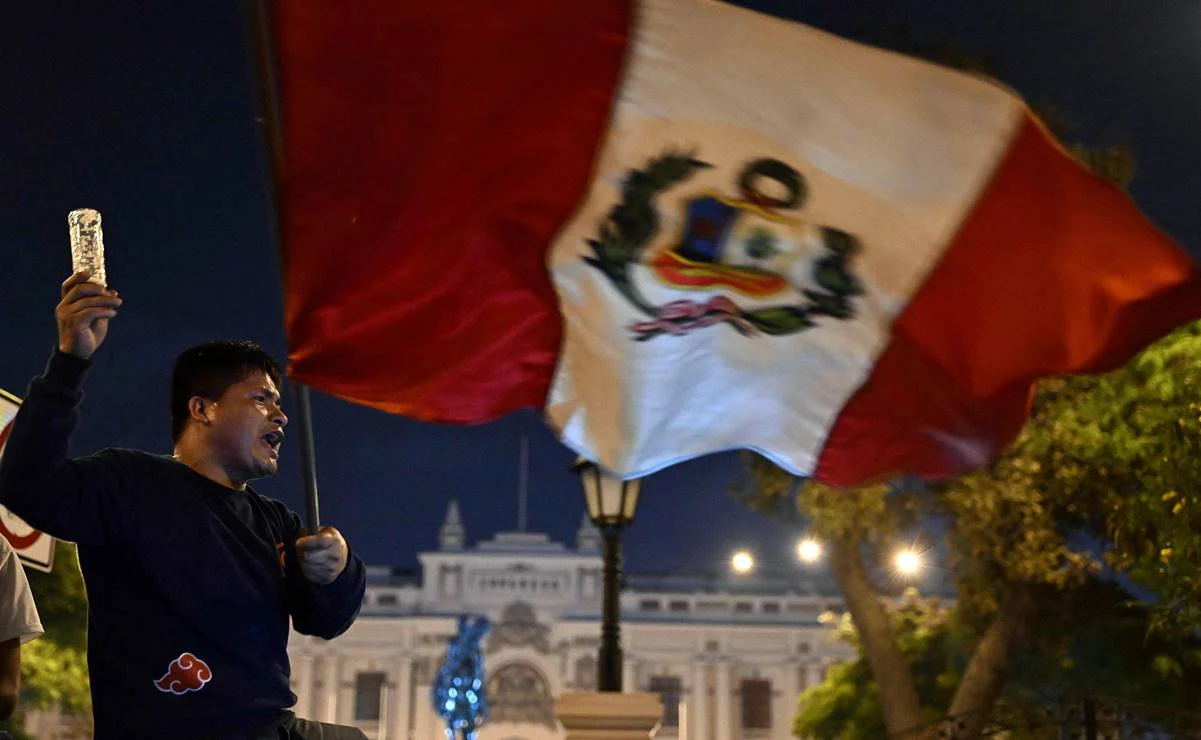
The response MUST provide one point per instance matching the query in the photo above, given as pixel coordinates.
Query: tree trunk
(898, 696)
(990, 662)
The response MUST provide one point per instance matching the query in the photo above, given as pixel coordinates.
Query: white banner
(36, 549)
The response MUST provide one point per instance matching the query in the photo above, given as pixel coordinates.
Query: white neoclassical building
(727, 655)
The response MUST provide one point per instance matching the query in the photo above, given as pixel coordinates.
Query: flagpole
(308, 457)
(523, 483)
(269, 121)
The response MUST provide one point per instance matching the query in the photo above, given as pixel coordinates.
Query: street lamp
(908, 562)
(742, 562)
(611, 505)
(809, 550)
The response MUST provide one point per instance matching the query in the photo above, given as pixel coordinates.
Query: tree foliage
(54, 671)
(846, 706)
(1091, 643)
(1124, 452)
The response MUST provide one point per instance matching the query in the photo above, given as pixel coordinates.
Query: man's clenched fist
(323, 555)
(83, 315)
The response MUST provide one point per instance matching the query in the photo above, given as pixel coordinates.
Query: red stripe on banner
(431, 152)
(20, 541)
(1053, 271)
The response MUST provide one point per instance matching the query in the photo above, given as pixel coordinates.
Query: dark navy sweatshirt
(190, 584)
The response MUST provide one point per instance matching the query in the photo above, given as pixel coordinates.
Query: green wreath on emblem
(632, 223)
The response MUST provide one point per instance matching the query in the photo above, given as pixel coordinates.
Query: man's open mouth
(273, 440)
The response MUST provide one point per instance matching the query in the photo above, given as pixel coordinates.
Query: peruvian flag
(682, 227)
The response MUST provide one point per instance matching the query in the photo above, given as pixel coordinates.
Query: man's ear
(199, 409)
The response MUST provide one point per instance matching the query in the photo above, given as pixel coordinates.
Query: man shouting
(191, 575)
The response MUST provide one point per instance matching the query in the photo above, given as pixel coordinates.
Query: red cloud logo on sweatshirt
(186, 673)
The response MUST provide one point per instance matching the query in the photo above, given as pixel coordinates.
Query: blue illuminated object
(463, 711)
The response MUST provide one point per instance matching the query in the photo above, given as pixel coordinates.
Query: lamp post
(611, 505)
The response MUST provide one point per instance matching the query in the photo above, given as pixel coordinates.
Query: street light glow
(809, 550)
(908, 562)
(742, 562)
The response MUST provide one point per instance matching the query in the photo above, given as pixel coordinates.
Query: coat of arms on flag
(753, 243)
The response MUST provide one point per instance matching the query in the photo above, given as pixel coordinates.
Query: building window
(744, 607)
(669, 689)
(649, 605)
(771, 607)
(679, 606)
(368, 688)
(756, 704)
(386, 600)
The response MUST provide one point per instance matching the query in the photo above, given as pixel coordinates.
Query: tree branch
(899, 702)
(992, 660)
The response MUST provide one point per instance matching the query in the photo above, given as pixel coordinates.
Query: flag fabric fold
(431, 151)
(682, 227)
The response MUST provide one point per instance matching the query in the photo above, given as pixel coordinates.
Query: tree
(1106, 473)
(1070, 659)
(54, 667)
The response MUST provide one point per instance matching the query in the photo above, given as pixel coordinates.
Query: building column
(698, 703)
(424, 719)
(302, 682)
(629, 676)
(400, 705)
(790, 689)
(325, 703)
(346, 694)
(724, 716)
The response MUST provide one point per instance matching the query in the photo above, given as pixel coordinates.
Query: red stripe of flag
(431, 151)
(1054, 271)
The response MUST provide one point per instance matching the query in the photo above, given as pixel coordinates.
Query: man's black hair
(208, 370)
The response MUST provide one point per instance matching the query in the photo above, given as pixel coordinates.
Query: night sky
(146, 111)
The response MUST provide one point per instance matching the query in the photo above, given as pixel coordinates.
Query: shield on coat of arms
(740, 245)
(754, 244)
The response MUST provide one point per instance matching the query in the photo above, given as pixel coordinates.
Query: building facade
(727, 655)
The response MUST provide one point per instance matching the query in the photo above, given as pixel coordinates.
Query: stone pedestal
(609, 716)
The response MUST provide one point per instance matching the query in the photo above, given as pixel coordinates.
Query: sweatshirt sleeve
(77, 500)
(322, 611)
